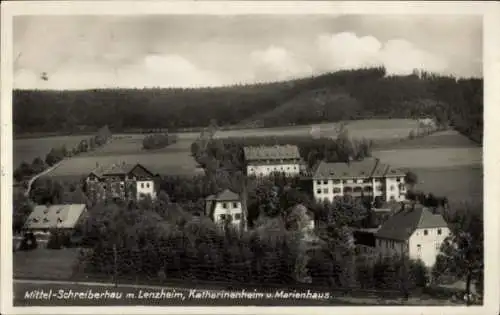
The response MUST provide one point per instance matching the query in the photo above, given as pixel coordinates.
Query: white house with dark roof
(121, 181)
(265, 160)
(368, 177)
(226, 205)
(62, 217)
(414, 231)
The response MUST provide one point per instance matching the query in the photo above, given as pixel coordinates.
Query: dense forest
(353, 94)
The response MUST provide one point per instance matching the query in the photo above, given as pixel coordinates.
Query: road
(32, 179)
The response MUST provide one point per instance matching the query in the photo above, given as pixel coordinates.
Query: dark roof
(225, 195)
(366, 168)
(401, 225)
(271, 152)
(117, 169)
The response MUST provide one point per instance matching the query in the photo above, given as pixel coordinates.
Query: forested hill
(330, 97)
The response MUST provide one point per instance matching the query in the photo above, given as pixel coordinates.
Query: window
(325, 191)
(426, 232)
(142, 185)
(103, 186)
(392, 187)
(224, 205)
(366, 181)
(235, 205)
(336, 181)
(222, 217)
(318, 191)
(336, 190)
(147, 185)
(237, 216)
(318, 182)
(393, 198)
(325, 182)
(398, 180)
(439, 231)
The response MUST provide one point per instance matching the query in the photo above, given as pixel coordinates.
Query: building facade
(263, 161)
(365, 178)
(415, 231)
(121, 181)
(225, 207)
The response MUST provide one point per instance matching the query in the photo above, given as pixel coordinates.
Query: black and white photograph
(267, 157)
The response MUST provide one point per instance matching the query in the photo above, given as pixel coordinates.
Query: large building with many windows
(367, 178)
(265, 160)
(121, 181)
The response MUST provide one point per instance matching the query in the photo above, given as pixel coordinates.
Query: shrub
(158, 141)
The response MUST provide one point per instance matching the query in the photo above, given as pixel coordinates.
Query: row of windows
(275, 168)
(123, 185)
(351, 181)
(225, 205)
(426, 232)
(237, 216)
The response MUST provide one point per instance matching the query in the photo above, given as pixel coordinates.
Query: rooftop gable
(402, 224)
(225, 195)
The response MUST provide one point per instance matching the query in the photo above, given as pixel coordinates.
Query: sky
(85, 52)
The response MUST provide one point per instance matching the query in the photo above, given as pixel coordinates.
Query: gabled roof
(225, 195)
(117, 169)
(271, 152)
(401, 225)
(367, 168)
(54, 216)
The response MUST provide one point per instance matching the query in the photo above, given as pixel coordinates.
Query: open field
(440, 139)
(26, 150)
(458, 184)
(431, 157)
(370, 129)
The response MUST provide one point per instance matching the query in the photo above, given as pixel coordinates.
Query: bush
(159, 141)
(29, 242)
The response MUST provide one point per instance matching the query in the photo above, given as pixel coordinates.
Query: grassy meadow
(27, 149)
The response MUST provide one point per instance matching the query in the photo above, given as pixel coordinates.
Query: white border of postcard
(491, 64)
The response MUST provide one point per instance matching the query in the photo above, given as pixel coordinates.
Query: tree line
(55, 155)
(342, 95)
(227, 153)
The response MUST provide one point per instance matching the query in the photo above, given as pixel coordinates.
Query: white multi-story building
(414, 231)
(369, 177)
(223, 207)
(263, 161)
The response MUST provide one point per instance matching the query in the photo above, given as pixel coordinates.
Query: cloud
(277, 63)
(347, 51)
(148, 71)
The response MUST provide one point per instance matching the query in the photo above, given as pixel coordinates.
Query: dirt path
(32, 179)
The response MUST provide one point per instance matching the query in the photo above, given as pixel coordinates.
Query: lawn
(26, 150)
(46, 263)
(375, 129)
(458, 184)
